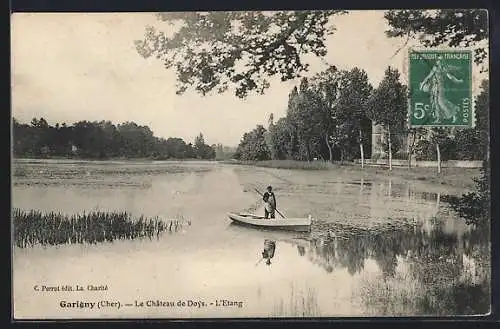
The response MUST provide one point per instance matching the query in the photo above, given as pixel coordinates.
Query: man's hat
(269, 187)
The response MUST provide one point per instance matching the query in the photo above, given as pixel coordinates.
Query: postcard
(250, 164)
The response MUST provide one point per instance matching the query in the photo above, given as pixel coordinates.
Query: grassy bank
(457, 177)
(36, 228)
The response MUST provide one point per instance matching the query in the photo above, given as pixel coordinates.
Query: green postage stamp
(440, 83)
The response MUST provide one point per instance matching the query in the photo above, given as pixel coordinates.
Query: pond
(376, 248)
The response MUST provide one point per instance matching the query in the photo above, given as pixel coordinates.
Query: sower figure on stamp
(434, 85)
(270, 203)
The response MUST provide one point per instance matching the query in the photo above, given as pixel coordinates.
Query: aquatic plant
(36, 228)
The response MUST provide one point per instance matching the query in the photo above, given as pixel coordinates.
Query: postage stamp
(440, 83)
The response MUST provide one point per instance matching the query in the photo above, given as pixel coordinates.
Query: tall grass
(36, 228)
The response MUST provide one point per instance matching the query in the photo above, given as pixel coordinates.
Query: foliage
(253, 146)
(354, 92)
(100, 140)
(449, 27)
(482, 123)
(325, 118)
(466, 144)
(387, 105)
(202, 150)
(281, 140)
(351, 108)
(307, 115)
(442, 137)
(216, 50)
(475, 206)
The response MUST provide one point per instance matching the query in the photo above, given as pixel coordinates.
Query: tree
(482, 124)
(98, 140)
(292, 145)
(450, 27)
(216, 50)
(199, 145)
(326, 85)
(280, 139)
(474, 206)
(176, 148)
(387, 105)
(253, 146)
(354, 92)
(307, 115)
(202, 150)
(466, 145)
(414, 136)
(268, 135)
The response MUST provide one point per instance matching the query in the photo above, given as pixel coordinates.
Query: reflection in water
(381, 248)
(269, 248)
(421, 270)
(303, 302)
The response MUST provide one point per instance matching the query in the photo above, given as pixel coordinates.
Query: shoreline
(459, 178)
(454, 177)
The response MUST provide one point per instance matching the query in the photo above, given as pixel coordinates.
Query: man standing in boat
(270, 203)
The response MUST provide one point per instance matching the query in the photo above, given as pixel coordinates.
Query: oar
(274, 209)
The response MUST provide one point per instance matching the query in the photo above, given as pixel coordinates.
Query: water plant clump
(37, 228)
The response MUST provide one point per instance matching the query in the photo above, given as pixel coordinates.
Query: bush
(474, 207)
(466, 143)
(426, 150)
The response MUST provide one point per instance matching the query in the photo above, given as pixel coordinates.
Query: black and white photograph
(250, 164)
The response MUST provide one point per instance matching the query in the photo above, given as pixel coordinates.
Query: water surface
(376, 248)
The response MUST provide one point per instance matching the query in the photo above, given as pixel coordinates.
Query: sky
(67, 67)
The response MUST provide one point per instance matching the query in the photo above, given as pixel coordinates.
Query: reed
(37, 228)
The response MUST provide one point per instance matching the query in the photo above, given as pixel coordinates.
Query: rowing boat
(294, 224)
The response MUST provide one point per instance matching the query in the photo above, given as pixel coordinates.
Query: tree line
(275, 43)
(330, 117)
(103, 140)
